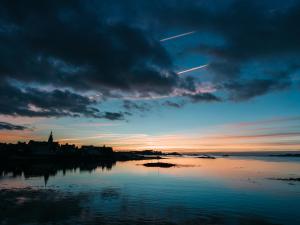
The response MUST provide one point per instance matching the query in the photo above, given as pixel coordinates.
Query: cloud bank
(54, 54)
(9, 126)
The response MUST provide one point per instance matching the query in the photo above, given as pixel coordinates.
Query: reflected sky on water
(197, 191)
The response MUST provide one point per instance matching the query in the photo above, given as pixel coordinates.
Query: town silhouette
(47, 158)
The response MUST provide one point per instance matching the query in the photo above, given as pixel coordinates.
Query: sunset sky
(193, 75)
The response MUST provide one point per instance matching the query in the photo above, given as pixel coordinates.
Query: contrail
(192, 69)
(177, 36)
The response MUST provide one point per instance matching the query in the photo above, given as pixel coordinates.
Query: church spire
(50, 139)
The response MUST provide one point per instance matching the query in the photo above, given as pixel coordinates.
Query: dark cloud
(35, 102)
(261, 33)
(9, 126)
(203, 97)
(174, 104)
(80, 46)
(194, 98)
(74, 45)
(112, 48)
(247, 28)
(131, 106)
(113, 115)
(244, 90)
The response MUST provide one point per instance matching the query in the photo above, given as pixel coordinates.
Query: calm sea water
(197, 191)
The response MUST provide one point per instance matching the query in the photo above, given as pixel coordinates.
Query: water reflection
(47, 170)
(200, 191)
(48, 206)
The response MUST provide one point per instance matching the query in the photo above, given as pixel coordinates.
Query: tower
(50, 139)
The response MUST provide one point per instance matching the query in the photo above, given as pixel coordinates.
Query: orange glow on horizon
(234, 140)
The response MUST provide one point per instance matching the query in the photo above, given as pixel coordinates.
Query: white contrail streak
(177, 36)
(192, 69)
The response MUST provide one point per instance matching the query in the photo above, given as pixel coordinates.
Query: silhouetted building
(67, 148)
(50, 139)
(96, 151)
(50, 148)
(43, 147)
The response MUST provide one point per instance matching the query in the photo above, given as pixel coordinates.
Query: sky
(193, 75)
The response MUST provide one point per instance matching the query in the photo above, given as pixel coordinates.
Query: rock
(159, 164)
